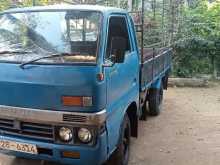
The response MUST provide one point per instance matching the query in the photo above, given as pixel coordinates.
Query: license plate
(20, 147)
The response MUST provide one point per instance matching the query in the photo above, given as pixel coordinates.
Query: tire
(155, 101)
(121, 155)
(165, 81)
(144, 113)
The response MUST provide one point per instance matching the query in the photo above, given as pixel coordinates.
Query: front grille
(74, 118)
(26, 129)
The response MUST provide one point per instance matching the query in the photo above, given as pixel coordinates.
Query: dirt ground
(186, 133)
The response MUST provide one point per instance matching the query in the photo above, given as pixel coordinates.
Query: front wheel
(121, 155)
(155, 101)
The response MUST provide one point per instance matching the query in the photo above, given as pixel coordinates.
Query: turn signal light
(72, 101)
(71, 154)
(77, 101)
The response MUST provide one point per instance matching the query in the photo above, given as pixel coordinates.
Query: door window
(117, 28)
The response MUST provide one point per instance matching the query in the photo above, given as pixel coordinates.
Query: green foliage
(4, 5)
(197, 50)
(24, 3)
(192, 57)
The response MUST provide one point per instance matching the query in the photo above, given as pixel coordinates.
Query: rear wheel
(144, 112)
(121, 155)
(155, 101)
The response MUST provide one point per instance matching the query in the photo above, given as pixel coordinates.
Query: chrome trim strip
(50, 116)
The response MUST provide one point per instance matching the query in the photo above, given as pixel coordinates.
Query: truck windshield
(45, 33)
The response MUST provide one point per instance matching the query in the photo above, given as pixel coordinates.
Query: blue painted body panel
(88, 155)
(121, 94)
(41, 87)
(157, 84)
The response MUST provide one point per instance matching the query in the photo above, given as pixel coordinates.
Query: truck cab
(71, 84)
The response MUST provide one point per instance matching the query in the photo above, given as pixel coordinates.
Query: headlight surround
(65, 134)
(76, 135)
(85, 135)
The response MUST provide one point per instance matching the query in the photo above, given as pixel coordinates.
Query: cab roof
(63, 7)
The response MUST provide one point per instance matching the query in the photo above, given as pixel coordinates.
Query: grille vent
(26, 129)
(74, 118)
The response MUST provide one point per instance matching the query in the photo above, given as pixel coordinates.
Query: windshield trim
(55, 63)
(49, 10)
(62, 10)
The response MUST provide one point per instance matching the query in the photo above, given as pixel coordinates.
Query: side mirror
(118, 49)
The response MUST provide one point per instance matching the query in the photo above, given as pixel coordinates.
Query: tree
(4, 5)
(197, 49)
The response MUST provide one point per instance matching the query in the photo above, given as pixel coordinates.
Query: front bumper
(15, 117)
(88, 155)
(53, 116)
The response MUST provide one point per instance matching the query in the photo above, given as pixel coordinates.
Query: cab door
(122, 78)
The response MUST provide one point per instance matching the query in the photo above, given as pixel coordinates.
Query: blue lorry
(74, 83)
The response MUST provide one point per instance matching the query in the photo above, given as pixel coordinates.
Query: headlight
(84, 135)
(65, 134)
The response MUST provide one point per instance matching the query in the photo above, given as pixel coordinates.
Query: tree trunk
(119, 2)
(129, 5)
(215, 72)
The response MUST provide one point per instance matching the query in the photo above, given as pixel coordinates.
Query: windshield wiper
(14, 52)
(45, 57)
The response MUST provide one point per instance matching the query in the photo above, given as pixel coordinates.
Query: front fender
(115, 118)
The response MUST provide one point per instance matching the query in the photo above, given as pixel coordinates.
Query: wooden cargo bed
(155, 63)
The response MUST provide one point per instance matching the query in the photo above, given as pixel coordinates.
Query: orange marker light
(71, 154)
(72, 101)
